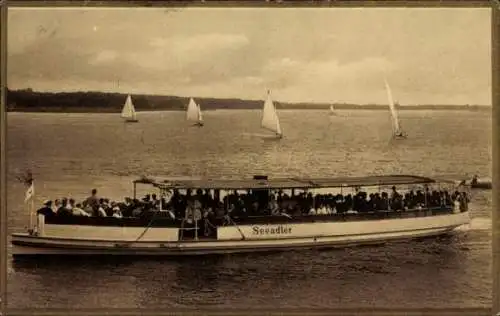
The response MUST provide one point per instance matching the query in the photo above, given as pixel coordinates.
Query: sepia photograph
(249, 157)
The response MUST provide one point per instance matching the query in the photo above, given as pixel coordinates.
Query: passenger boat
(256, 214)
(478, 183)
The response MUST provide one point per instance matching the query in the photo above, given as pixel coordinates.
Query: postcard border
(495, 95)
(3, 155)
(495, 22)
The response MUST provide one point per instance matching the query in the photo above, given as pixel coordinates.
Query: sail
(270, 118)
(331, 109)
(394, 113)
(200, 115)
(128, 111)
(193, 112)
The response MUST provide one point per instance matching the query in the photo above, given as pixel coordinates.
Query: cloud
(104, 56)
(175, 60)
(315, 80)
(181, 59)
(332, 55)
(180, 51)
(211, 41)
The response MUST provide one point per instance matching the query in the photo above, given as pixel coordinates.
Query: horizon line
(244, 99)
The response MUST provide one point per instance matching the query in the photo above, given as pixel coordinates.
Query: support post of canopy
(195, 229)
(425, 196)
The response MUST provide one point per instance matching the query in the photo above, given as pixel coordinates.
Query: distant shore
(102, 102)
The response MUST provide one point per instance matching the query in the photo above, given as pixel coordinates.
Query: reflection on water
(71, 154)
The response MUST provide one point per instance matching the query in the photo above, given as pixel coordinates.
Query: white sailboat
(397, 131)
(332, 111)
(270, 120)
(193, 113)
(128, 111)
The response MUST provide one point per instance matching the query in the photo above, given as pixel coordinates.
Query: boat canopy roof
(286, 183)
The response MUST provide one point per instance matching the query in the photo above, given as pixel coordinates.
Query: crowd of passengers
(201, 204)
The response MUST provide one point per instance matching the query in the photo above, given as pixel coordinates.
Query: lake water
(70, 154)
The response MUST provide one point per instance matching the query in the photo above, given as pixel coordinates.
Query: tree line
(29, 100)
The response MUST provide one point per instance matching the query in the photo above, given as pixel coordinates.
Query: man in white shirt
(78, 211)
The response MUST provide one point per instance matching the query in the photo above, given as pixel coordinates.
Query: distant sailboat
(270, 120)
(397, 132)
(332, 111)
(128, 111)
(193, 113)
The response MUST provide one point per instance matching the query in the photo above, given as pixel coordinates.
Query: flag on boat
(30, 192)
(27, 179)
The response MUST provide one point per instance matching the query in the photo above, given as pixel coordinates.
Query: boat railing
(344, 217)
(192, 226)
(166, 221)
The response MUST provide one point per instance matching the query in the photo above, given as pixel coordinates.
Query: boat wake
(478, 223)
(261, 136)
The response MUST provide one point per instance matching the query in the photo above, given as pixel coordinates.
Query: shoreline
(30, 101)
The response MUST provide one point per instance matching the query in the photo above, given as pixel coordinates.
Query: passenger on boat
(208, 218)
(78, 211)
(457, 203)
(116, 211)
(321, 210)
(137, 209)
(67, 204)
(56, 206)
(239, 204)
(92, 201)
(46, 209)
(464, 201)
(64, 209)
(273, 206)
(155, 202)
(62, 205)
(312, 211)
(100, 209)
(127, 207)
(474, 180)
(105, 205)
(189, 212)
(71, 204)
(219, 210)
(197, 215)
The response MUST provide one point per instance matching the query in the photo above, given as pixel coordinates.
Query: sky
(316, 55)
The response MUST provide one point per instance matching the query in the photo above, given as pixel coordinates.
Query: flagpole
(32, 203)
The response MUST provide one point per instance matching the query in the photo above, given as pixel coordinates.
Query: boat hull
(480, 184)
(484, 186)
(401, 229)
(28, 245)
(131, 121)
